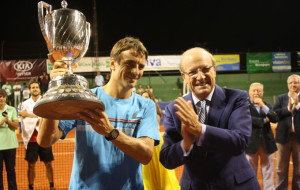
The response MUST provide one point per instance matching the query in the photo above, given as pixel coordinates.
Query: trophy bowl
(67, 36)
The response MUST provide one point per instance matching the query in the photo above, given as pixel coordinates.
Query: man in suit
(262, 143)
(288, 134)
(210, 140)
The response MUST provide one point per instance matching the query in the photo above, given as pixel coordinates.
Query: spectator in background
(208, 130)
(288, 134)
(155, 175)
(262, 143)
(107, 77)
(26, 93)
(140, 90)
(30, 124)
(17, 94)
(22, 89)
(99, 80)
(44, 82)
(38, 78)
(148, 88)
(7, 88)
(8, 141)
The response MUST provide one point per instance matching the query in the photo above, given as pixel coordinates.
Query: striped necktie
(202, 111)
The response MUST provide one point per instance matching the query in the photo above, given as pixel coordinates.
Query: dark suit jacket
(262, 132)
(285, 119)
(220, 162)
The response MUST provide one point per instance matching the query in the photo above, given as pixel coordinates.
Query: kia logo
(23, 66)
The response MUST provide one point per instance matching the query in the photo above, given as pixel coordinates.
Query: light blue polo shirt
(99, 164)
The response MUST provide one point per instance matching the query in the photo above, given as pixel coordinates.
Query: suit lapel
(254, 110)
(286, 99)
(217, 106)
(252, 107)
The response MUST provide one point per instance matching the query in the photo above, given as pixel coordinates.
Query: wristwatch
(112, 135)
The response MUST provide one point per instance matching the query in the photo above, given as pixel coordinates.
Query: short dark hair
(128, 43)
(3, 92)
(33, 80)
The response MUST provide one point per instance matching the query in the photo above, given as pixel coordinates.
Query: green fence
(167, 88)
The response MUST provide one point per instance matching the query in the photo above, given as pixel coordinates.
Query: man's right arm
(49, 132)
(171, 154)
(280, 109)
(272, 115)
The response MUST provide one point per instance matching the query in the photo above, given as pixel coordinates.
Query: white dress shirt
(203, 130)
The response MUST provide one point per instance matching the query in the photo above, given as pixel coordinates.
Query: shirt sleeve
(297, 106)
(266, 109)
(186, 153)
(149, 123)
(14, 115)
(66, 126)
(201, 139)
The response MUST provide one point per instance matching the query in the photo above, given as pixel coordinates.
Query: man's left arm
(23, 113)
(271, 114)
(141, 148)
(232, 134)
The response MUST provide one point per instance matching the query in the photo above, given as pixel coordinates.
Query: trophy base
(65, 109)
(67, 95)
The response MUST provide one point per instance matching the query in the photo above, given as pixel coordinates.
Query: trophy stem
(70, 68)
(69, 64)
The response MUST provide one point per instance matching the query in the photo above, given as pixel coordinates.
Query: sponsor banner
(281, 62)
(93, 64)
(163, 62)
(298, 58)
(22, 70)
(153, 63)
(87, 64)
(227, 62)
(259, 62)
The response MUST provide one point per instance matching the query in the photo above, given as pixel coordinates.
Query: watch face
(114, 133)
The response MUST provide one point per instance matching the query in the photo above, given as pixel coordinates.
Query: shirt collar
(209, 97)
(37, 99)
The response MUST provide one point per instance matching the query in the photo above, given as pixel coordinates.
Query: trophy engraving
(67, 36)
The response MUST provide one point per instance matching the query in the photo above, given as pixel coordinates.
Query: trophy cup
(67, 35)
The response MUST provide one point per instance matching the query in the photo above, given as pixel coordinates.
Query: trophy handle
(48, 8)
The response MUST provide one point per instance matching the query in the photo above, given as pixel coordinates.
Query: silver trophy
(67, 35)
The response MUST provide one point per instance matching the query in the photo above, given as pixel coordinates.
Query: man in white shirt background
(7, 88)
(30, 127)
(99, 79)
(17, 94)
